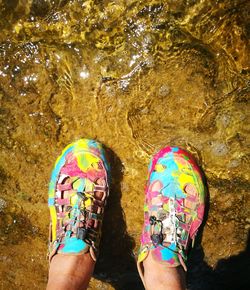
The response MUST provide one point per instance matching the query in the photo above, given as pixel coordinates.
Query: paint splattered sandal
(78, 191)
(174, 207)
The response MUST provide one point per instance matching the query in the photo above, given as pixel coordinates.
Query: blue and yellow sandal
(78, 191)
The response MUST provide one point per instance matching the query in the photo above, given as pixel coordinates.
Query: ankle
(66, 282)
(160, 276)
(70, 272)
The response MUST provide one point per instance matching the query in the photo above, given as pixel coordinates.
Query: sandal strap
(64, 186)
(102, 188)
(62, 201)
(86, 214)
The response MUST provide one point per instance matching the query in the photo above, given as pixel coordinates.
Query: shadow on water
(229, 274)
(116, 263)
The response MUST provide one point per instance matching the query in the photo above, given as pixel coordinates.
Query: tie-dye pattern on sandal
(76, 214)
(174, 207)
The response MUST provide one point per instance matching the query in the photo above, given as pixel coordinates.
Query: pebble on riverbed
(3, 204)
(219, 149)
(164, 91)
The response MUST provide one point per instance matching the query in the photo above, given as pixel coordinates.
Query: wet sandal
(174, 207)
(78, 191)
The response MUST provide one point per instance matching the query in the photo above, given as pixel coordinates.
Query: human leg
(77, 195)
(161, 277)
(174, 208)
(70, 272)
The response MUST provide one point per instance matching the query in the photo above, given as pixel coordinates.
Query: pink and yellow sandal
(174, 207)
(78, 191)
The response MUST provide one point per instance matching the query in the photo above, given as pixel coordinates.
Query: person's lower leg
(77, 195)
(70, 272)
(160, 277)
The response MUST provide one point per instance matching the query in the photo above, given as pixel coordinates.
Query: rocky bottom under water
(135, 75)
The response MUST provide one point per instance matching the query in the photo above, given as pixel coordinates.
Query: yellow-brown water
(136, 75)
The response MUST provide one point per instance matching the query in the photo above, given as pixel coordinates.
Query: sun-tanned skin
(70, 272)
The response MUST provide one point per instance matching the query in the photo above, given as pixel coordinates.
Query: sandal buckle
(81, 233)
(157, 239)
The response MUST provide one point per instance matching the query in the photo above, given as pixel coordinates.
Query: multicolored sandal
(174, 207)
(78, 191)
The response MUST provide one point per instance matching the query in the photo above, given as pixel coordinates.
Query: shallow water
(136, 75)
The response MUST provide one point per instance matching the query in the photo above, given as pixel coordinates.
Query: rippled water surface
(136, 75)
